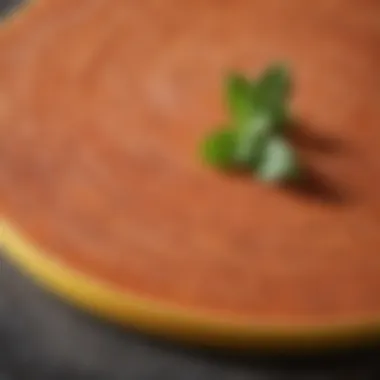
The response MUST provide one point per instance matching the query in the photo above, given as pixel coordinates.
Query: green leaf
(271, 95)
(239, 98)
(218, 148)
(278, 162)
(251, 139)
(273, 86)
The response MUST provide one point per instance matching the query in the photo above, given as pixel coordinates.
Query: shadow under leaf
(315, 186)
(306, 138)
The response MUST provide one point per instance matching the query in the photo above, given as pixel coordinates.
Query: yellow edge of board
(179, 324)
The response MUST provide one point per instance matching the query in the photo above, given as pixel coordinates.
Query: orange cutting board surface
(102, 108)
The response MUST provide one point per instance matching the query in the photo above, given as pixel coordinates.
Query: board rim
(167, 321)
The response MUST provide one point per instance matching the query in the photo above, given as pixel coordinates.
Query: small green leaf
(251, 139)
(271, 95)
(278, 162)
(239, 98)
(218, 148)
(273, 86)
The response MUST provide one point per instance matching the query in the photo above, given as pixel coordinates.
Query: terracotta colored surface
(101, 111)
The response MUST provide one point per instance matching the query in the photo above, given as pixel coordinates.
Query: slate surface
(44, 339)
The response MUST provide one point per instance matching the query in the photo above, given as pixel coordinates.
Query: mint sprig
(255, 139)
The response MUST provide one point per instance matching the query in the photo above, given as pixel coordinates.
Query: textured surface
(102, 111)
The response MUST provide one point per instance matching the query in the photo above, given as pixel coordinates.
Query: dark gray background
(41, 338)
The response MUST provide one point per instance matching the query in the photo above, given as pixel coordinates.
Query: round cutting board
(105, 200)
